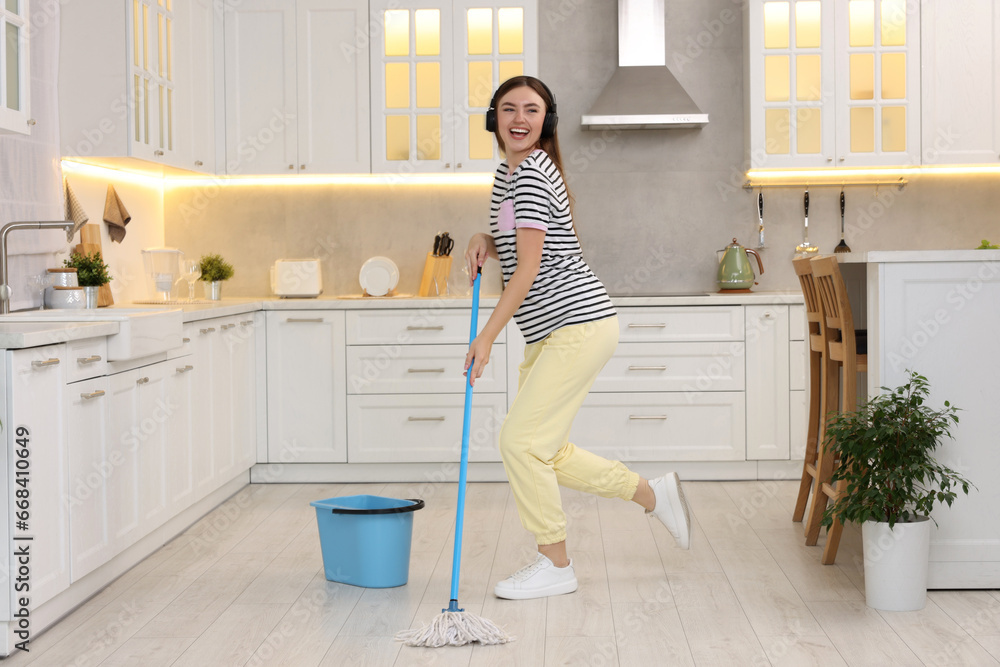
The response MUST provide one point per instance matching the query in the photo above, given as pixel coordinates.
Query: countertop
(16, 334)
(892, 256)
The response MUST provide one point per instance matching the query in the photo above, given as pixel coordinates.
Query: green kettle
(735, 271)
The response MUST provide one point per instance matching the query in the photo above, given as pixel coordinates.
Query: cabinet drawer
(407, 327)
(409, 369)
(418, 428)
(676, 426)
(674, 367)
(86, 359)
(709, 323)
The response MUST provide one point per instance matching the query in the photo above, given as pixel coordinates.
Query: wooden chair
(840, 373)
(817, 350)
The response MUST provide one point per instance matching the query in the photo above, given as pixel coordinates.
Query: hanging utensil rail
(751, 184)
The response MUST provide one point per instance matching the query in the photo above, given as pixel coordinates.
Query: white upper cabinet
(434, 67)
(131, 93)
(14, 73)
(833, 83)
(960, 52)
(297, 87)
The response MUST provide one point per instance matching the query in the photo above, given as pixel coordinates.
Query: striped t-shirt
(565, 291)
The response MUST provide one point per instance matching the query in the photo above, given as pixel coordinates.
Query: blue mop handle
(456, 561)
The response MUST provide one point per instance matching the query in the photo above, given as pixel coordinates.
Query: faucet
(7, 229)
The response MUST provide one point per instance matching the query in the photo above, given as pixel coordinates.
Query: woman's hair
(548, 144)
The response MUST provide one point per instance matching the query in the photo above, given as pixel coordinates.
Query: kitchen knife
(437, 245)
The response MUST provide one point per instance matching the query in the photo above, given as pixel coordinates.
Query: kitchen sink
(141, 331)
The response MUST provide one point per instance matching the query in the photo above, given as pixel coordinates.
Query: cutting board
(90, 237)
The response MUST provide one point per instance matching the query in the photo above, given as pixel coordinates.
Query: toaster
(296, 278)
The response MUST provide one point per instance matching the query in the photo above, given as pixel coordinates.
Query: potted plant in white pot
(214, 270)
(91, 273)
(892, 483)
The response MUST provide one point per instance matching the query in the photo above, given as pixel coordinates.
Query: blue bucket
(366, 539)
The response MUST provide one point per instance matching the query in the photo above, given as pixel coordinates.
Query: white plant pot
(896, 564)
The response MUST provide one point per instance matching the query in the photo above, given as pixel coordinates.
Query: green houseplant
(891, 477)
(214, 270)
(91, 273)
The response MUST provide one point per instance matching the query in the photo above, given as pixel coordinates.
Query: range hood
(643, 93)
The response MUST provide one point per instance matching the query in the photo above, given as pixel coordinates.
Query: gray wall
(652, 207)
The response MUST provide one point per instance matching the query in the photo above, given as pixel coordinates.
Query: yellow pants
(555, 377)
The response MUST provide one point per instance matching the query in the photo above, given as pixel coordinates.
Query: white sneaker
(539, 580)
(671, 508)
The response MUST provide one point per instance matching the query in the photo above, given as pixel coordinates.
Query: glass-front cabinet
(14, 78)
(833, 83)
(151, 83)
(433, 73)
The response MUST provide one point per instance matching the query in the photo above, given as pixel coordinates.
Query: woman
(571, 330)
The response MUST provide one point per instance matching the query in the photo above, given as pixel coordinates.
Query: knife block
(434, 282)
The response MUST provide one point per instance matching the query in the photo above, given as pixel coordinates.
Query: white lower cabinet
(767, 361)
(306, 387)
(38, 472)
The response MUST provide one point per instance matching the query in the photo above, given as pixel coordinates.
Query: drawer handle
(223, 327)
(142, 380)
(208, 330)
(647, 326)
(304, 319)
(42, 364)
(439, 327)
(647, 368)
(425, 370)
(185, 369)
(185, 341)
(246, 323)
(425, 419)
(88, 360)
(93, 394)
(647, 417)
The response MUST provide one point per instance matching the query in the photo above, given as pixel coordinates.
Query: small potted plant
(892, 484)
(214, 270)
(91, 273)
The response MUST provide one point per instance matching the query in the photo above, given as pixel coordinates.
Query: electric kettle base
(744, 290)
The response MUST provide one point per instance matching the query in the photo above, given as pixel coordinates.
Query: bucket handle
(417, 504)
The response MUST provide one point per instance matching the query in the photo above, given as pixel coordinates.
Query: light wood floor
(245, 586)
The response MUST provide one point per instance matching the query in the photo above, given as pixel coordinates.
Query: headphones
(551, 117)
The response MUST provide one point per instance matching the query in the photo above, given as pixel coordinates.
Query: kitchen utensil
(735, 271)
(437, 245)
(806, 248)
(842, 246)
(447, 243)
(760, 218)
(163, 269)
(379, 276)
(453, 625)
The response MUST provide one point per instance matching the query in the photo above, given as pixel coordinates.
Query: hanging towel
(115, 215)
(74, 210)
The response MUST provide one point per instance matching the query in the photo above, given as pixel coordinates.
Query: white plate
(379, 276)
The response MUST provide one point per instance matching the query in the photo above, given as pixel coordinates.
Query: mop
(454, 626)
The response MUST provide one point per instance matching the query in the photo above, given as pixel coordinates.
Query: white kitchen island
(938, 313)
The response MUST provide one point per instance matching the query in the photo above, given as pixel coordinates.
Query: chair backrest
(836, 308)
(814, 307)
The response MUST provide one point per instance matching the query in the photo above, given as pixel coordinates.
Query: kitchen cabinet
(798, 398)
(767, 372)
(833, 84)
(15, 79)
(434, 67)
(306, 387)
(297, 86)
(406, 387)
(135, 92)
(225, 414)
(38, 473)
(960, 86)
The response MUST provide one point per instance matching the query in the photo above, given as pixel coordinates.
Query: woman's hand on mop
(477, 358)
(476, 254)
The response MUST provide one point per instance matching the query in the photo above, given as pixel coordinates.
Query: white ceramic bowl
(59, 297)
(63, 277)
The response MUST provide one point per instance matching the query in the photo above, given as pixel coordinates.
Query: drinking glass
(37, 283)
(192, 272)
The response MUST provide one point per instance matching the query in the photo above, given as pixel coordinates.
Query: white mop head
(455, 628)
